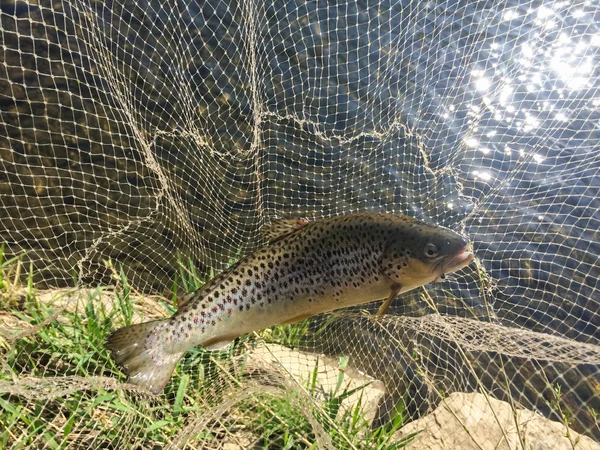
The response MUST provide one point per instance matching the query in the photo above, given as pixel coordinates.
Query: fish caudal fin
(136, 350)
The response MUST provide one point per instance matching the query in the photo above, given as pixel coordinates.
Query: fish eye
(431, 250)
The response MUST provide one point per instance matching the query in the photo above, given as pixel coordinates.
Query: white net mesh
(144, 145)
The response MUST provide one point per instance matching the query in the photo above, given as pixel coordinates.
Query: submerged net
(145, 144)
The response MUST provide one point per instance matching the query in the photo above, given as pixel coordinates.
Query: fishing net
(145, 144)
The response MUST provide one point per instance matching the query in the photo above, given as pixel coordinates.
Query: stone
(478, 422)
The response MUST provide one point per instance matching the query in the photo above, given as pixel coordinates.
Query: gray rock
(477, 422)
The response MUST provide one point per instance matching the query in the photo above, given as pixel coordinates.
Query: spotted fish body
(312, 267)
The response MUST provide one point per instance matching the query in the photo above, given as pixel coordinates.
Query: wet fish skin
(317, 267)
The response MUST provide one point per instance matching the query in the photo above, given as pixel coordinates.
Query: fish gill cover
(145, 145)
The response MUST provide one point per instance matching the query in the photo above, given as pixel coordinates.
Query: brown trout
(307, 269)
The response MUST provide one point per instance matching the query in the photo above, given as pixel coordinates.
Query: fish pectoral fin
(218, 343)
(280, 228)
(384, 307)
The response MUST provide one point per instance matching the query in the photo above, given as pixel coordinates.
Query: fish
(306, 268)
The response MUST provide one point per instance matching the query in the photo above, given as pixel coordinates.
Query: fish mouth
(462, 259)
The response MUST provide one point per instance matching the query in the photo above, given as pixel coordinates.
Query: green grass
(347, 428)
(73, 345)
(67, 348)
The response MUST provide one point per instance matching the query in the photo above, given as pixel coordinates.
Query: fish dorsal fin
(280, 228)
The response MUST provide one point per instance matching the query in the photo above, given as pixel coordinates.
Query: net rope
(144, 145)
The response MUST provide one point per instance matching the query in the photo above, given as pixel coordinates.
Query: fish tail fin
(137, 350)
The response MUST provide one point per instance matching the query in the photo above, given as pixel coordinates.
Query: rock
(448, 362)
(472, 421)
(299, 366)
(461, 422)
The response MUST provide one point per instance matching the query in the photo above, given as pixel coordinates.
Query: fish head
(423, 253)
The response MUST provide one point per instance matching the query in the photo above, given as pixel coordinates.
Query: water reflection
(535, 78)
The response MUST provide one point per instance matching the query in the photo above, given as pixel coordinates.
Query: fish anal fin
(281, 228)
(219, 343)
(184, 299)
(297, 319)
